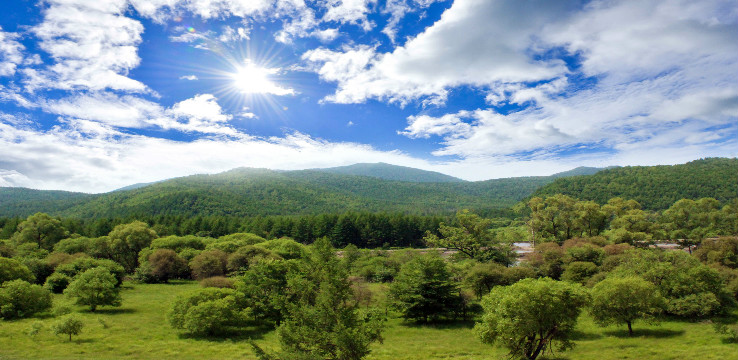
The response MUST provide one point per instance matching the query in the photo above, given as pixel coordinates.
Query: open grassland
(139, 329)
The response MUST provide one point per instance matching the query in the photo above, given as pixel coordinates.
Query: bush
(208, 264)
(68, 325)
(285, 247)
(209, 311)
(586, 253)
(217, 282)
(483, 277)
(11, 269)
(244, 238)
(57, 282)
(264, 286)
(245, 256)
(579, 272)
(19, 299)
(83, 264)
(723, 251)
(39, 268)
(178, 243)
(165, 264)
(94, 287)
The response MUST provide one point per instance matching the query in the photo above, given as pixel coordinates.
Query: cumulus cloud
(349, 11)
(93, 44)
(188, 77)
(476, 42)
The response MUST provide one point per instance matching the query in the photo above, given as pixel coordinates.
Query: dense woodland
(327, 286)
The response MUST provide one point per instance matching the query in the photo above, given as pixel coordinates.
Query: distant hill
(16, 201)
(392, 172)
(655, 187)
(253, 192)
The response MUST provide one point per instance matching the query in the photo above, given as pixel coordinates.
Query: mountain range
(372, 187)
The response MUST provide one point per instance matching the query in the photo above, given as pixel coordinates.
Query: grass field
(139, 329)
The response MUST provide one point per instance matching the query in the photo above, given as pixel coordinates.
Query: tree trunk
(630, 329)
(70, 336)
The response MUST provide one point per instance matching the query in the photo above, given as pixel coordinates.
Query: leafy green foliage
(618, 300)
(127, 240)
(689, 288)
(209, 263)
(12, 269)
(40, 229)
(19, 298)
(531, 316)
(265, 287)
(95, 287)
(579, 271)
(655, 187)
(424, 290)
(722, 251)
(322, 322)
(84, 263)
(69, 324)
(472, 237)
(208, 311)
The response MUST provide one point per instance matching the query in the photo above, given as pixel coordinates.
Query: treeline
(654, 187)
(363, 229)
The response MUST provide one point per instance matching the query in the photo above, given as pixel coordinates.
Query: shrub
(11, 269)
(483, 277)
(19, 299)
(165, 264)
(285, 247)
(68, 325)
(83, 264)
(208, 311)
(245, 256)
(94, 287)
(178, 243)
(208, 264)
(39, 268)
(723, 251)
(218, 282)
(57, 282)
(579, 271)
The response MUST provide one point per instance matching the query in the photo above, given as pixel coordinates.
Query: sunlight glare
(253, 79)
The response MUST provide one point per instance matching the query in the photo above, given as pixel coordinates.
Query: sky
(99, 94)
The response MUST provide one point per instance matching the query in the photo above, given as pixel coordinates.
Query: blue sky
(99, 94)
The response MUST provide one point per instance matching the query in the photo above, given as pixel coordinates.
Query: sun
(250, 78)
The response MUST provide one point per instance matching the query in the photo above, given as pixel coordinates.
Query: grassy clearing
(139, 329)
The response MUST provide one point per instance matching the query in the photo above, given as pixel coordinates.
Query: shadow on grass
(442, 324)
(234, 334)
(649, 333)
(580, 335)
(114, 311)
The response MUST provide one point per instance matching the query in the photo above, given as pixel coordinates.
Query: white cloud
(92, 43)
(188, 77)
(326, 35)
(349, 12)
(476, 42)
(11, 53)
(119, 111)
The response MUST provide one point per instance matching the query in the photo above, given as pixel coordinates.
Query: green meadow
(139, 329)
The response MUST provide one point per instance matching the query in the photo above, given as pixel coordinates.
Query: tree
(531, 316)
(69, 324)
(11, 269)
(473, 238)
(553, 218)
(208, 311)
(127, 240)
(95, 287)
(165, 264)
(265, 287)
(624, 300)
(322, 322)
(424, 290)
(209, 263)
(19, 299)
(40, 229)
(579, 271)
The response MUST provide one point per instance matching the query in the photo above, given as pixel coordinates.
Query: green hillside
(392, 172)
(253, 192)
(23, 201)
(655, 187)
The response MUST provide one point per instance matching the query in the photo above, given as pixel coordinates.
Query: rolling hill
(251, 192)
(655, 187)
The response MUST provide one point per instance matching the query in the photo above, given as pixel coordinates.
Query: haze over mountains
(372, 187)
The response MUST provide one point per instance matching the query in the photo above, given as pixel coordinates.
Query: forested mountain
(252, 192)
(22, 201)
(655, 187)
(392, 172)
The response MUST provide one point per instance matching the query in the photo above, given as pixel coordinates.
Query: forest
(602, 280)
